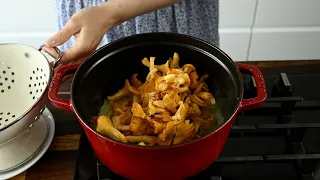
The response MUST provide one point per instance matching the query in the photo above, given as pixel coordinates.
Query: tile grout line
(251, 29)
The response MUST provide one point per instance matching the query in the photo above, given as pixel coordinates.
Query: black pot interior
(104, 72)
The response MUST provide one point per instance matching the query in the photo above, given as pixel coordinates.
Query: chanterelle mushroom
(163, 67)
(120, 94)
(104, 126)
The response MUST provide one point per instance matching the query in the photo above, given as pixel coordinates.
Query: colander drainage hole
(2, 91)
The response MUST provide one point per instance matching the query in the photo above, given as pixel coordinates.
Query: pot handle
(55, 84)
(260, 85)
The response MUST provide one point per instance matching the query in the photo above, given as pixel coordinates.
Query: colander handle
(55, 85)
(57, 59)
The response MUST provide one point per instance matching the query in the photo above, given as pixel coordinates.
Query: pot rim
(43, 92)
(232, 117)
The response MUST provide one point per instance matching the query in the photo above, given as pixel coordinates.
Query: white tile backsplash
(236, 13)
(285, 44)
(235, 42)
(288, 13)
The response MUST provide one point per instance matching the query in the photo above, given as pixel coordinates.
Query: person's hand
(88, 26)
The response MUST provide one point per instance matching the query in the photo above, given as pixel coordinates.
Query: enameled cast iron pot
(103, 73)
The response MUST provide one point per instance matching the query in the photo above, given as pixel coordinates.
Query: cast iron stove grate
(280, 140)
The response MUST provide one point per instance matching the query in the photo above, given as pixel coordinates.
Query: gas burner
(279, 140)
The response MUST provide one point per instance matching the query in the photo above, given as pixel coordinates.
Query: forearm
(122, 10)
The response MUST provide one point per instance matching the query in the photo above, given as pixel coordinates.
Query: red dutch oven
(103, 73)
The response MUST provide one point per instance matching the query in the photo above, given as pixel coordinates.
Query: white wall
(249, 29)
(27, 21)
(270, 29)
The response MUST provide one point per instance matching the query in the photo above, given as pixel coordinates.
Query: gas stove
(280, 140)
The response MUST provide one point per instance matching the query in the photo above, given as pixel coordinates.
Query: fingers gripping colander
(25, 74)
